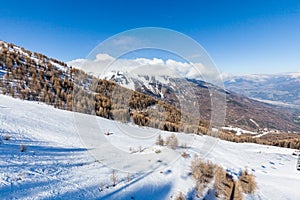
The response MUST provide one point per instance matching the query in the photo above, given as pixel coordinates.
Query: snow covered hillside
(57, 162)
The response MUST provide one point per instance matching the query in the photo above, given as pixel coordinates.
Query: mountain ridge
(35, 77)
(278, 89)
(238, 106)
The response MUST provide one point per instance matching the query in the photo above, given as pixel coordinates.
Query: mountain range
(162, 102)
(280, 89)
(241, 111)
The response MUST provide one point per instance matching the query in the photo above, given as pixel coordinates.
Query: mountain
(281, 90)
(241, 111)
(165, 103)
(35, 77)
(65, 134)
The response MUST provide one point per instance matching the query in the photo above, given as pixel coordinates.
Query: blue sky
(241, 37)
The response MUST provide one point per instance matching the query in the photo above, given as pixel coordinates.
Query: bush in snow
(6, 137)
(180, 196)
(225, 186)
(248, 182)
(114, 178)
(184, 154)
(128, 178)
(202, 173)
(23, 148)
(159, 140)
(101, 187)
(172, 141)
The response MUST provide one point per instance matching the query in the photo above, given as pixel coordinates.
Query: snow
(254, 122)
(120, 78)
(262, 134)
(130, 80)
(240, 131)
(59, 162)
(277, 103)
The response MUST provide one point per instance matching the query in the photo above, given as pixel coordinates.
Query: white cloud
(76, 63)
(105, 63)
(104, 57)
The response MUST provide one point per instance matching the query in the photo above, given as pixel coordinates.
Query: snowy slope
(58, 165)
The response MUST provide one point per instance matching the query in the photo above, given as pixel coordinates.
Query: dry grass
(185, 154)
(180, 196)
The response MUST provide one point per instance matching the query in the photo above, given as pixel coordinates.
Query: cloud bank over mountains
(104, 63)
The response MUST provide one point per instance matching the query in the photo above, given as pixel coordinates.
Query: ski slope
(67, 156)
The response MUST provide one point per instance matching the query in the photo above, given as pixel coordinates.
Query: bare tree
(114, 178)
(172, 141)
(159, 141)
(128, 177)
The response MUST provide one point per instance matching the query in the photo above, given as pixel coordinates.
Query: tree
(171, 141)
(114, 178)
(248, 182)
(159, 141)
(12, 91)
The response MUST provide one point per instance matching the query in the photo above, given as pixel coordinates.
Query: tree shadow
(146, 192)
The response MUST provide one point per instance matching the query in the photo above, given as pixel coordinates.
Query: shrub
(158, 151)
(128, 177)
(6, 137)
(202, 171)
(114, 178)
(185, 154)
(180, 196)
(101, 187)
(23, 148)
(248, 182)
(159, 140)
(171, 141)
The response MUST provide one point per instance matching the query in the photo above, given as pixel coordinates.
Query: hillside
(241, 111)
(56, 164)
(35, 77)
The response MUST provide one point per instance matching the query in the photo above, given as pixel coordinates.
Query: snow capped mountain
(240, 110)
(142, 83)
(53, 82)
(281, 89)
